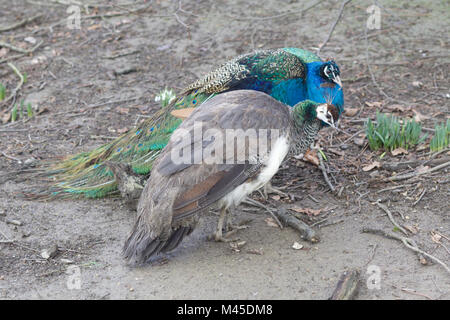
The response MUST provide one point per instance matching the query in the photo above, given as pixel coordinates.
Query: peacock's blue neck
(292, 91)
(289, 91)
(321, 90)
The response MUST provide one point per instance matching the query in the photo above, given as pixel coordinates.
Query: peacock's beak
(337, 80)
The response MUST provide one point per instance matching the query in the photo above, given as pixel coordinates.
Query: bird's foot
(233, 227)
(220, 237)
(270, 189)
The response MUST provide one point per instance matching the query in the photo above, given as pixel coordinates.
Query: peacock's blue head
(323, 84)
(330, 71)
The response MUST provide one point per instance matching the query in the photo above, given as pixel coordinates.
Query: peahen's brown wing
(244, 110)
(176, 192)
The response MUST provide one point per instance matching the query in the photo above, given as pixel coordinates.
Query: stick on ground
(347, 287)
(409, 243)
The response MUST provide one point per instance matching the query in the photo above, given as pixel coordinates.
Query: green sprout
(29, 110)
(390, 133)
(14, 113)
(441, 138)
(2, 92)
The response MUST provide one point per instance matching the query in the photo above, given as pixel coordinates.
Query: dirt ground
(87, 85)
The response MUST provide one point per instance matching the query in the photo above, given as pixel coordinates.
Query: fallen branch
(385, 209)
(306, 232)
(396, 166)
(25, 51)
(409, 243)
(22, 79)
(255, 203)
(324, 172)
(416, 174)
(20, 23)
(347, 287)
(341, 11)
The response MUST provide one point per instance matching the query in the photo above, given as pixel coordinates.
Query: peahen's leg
(270, 189)
(232, 228)
(218, 235)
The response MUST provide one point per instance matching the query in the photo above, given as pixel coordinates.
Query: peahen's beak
(324, 115)
(337, 79)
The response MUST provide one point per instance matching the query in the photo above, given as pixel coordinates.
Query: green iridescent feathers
(86, 174)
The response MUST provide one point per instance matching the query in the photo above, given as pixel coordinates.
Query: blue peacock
(289, 75)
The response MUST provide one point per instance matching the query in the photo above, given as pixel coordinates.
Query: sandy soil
(74, 80)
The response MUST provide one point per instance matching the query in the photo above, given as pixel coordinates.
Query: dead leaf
(308, 211)
(3, 52)
(236, 246)
(418, 116)
(359, 141)
(255, 251)
(422, 169)
(435, 237)
(297, 246)
(311, 157)
(94, 27)
(350, 112)
(398, 151)
(276, 197)
(411, 229)
(123, 130)
(376, 104)
(30, 40)
(6, 117)
(271, 222)
(122, 110)
(398, 108)
(371, 166)
(417, 84)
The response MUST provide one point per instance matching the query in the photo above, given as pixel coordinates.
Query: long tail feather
(86, 175)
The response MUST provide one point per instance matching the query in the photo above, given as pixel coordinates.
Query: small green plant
(2, 92)
(18, 111)
(165, 97)
(14, 113)
(390, 133)
(29, 110)
(441, 138)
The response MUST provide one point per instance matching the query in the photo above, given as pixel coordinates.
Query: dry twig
(409, 243)
(347, 287)
(20, 23)
(341, 11)
(385, 209)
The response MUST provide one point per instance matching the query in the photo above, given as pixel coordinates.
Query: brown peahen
(201, 167)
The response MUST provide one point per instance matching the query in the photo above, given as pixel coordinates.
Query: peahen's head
(309, 111)
(330, 71)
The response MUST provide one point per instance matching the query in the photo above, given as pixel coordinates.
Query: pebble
(50, 252)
